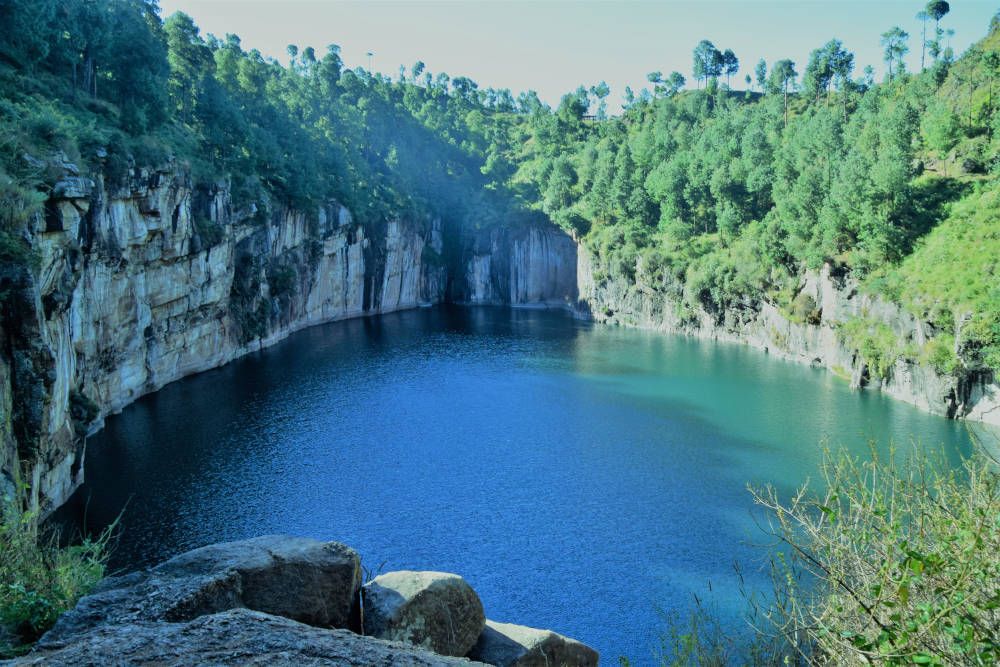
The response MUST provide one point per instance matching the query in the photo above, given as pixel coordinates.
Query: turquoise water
(582, 478)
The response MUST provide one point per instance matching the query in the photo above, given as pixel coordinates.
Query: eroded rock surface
(436, 610)
(234, 637)
(145, 281)
(509, 645)
(305, 580)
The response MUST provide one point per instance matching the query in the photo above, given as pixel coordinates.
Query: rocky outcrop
(236, 637)
(815, 338)
(518, 267)
(435, 610)
(140, 283)
(279, 600)
(305, 580)
(509, 645)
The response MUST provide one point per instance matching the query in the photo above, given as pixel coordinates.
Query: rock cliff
(524, 266)
(817, 338)
(138, 284)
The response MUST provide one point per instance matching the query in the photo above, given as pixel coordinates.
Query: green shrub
(209, 233)
(39, 579)
(805, 309)
(874, 341)
(281, 279)
(939, 354)
(83, 410)
(902, 562)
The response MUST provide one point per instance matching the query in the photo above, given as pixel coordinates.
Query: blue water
(582, 478)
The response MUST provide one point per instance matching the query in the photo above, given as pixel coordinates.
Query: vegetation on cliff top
(724, 197)
(721, 196)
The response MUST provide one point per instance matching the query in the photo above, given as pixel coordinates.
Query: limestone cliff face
(971, 395)
(140, 285)
(529, 266)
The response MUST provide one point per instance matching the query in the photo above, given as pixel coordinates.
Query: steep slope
(139, 286)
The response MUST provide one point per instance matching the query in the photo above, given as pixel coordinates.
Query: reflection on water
(580, 477)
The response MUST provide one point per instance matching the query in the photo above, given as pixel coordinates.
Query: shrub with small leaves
(903, 562)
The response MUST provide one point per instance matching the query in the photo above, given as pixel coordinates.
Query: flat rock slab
(306, 580)
(509, 645)
(435, 610)
(235, 637)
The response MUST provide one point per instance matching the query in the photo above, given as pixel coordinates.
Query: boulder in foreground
(435, 610)
(235, 637)
(302, 579)
(279, 600)
(509, 645)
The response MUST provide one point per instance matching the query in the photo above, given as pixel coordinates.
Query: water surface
(582, 478)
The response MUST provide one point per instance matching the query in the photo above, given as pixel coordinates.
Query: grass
(952, 279)
(40, 578)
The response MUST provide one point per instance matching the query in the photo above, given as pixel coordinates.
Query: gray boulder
(302, 579)
(509, 645)
(235, 637)
(435, 610)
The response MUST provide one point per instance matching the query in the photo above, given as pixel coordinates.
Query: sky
(554, 46)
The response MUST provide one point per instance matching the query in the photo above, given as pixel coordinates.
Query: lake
(583, 478)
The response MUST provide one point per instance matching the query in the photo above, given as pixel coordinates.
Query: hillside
(725, 202)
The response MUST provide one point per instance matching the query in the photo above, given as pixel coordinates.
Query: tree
(782, 76)
(760, 72)
(656, 78)
(869, 77)
(922, 16)
(674, 83)
(991, 62)
(559, 191)
(818, 74)
(629, 97)
(29, 30)
(937, 9)
(573, 107)
(601, 92)
(190, 60)
(730, 64)
(941, 130)
(895, 48)
(137, 76)
(707, 61)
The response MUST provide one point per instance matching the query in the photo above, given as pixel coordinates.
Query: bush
(39, 579)
(281, 280)
(209, 233)
(874, 341)
(939, 353)
(83, 410)
(805, 309)
(893, 564)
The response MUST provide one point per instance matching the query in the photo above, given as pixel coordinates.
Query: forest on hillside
(720, 195)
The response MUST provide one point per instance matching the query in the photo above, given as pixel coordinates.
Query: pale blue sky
(552, 47)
